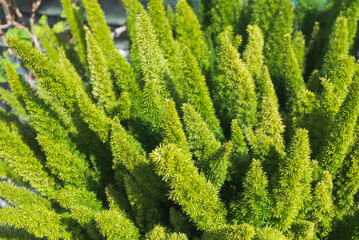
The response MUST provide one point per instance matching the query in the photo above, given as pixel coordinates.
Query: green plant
(205, 134)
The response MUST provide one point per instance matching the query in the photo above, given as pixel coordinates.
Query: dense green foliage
(236, 120)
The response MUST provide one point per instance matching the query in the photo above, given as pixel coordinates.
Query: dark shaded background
(115, 13)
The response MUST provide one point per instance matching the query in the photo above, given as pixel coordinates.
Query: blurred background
(115, 13)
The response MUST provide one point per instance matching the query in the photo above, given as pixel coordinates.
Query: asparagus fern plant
(231, 121)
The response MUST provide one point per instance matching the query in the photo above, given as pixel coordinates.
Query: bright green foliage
(130, 94)
(268, 233)
(69, 70)
(223, 13)
(74, 19)
(259, 14)
(133, 8)
(323, 207)
(99, 28)
(341, 132)
(46, 31)
(52, 137)
(335, 89)
(62, 90)
(161, 26)
(268, 137)
(188, 32)
(22, 160)
(59, 27)
(102, 86)
(235, 232)
(152, 65)
(303, 107)
(4, 59)
(159, 233)
(321, 110)
(125, 80)
(177, 236)
(295, 177)
(348, 186)
(196, 93)
(235, 96)
(197, 197)
(314, 82)
(212, 156)
(304, 230)
(341, 78)
(116, 200)
(170, 16)
(22, 129)
(115, 226)
(51, 77)
(338, 45)
(240, 158)
(81, 203)
(129, 154)
(144, 207)
(7, 172)
(254, 203)
(50, 51)
(10, 98)
(293, 81)
(240, 146)
(195, 126)
(352, 14)
(275, 28)
(48, 99)
(35, 219)
(93, 116)
(226, 13)
(253, 55)
(20, 33)
(172, 127)
(15, 196)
